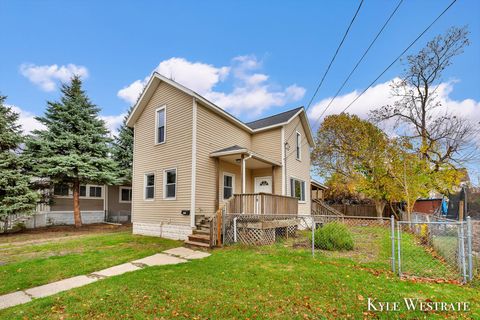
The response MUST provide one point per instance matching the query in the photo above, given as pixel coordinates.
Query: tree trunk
(379, 207)
(76, 204)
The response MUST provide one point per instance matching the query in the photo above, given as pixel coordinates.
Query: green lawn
(243, 282)
(31, 264)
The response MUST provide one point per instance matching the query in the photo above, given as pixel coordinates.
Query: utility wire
(331, 61)
(391, 64)
(361, 59)
(403, 52)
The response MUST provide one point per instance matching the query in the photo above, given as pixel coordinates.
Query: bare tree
(440, 136)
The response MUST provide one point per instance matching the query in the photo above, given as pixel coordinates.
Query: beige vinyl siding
(114, 204)
(66, 204)
(267, 144)
(176, 152)
(295, 168)
(214, 133)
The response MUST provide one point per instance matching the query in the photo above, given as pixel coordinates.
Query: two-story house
(191, 156)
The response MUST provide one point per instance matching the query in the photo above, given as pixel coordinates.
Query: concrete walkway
(171, 256)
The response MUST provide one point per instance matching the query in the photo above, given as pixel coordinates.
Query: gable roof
(276, 119)
(251, 127)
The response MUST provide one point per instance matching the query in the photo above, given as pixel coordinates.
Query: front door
(263, 184)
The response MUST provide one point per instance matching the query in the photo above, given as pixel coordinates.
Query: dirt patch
(47, 234)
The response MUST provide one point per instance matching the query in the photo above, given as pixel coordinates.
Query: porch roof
(235, 150)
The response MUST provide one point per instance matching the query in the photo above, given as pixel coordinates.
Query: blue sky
(253, 58)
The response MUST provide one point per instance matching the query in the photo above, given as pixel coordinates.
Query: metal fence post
(461, 248)
(392, 236)
(313, 237)
(469, 248)
(399, 240)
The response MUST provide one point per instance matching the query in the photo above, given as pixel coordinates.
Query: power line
(403, 52)
(361, 59)
(332, 60)
(335, 55)
(391, 64)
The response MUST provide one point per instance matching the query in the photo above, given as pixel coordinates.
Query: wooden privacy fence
(262, 203)
(361, 210)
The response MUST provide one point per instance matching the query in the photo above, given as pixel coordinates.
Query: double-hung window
(83, 191)
(228, 181)
(61, 189)
(170, 184)
(160, 125)
(297, 189)
(125, 194)
(298, 147)
(149, 186)
(95, 192)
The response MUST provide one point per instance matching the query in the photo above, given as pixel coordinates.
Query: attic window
(160, 125)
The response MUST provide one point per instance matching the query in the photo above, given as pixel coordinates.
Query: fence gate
(435, 250)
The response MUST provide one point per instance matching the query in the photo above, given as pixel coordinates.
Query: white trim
(304, 188)
(165, 184)
(120, 188)
(298, 145)
(145, 185)
(133, 175)
(194, 165)
(156, 76)
(164, 108)
(228, 174)
(282, 147)
(264, 178)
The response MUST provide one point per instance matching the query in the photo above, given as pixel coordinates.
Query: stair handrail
(330, 210)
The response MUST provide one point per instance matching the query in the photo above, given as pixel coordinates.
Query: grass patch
(32, 264)
(268, 282)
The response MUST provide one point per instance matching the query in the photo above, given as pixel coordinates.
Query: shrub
(333, 236)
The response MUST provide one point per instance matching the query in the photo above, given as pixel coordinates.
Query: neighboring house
(98, 203)
(190, 157)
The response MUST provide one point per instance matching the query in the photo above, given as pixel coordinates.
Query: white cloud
(380, 95)
(27, 120)
(251, 93)
(113, 122)
(47, 77)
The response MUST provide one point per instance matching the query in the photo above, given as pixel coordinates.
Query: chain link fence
(422, 248)
(362, 239)
(435, 248)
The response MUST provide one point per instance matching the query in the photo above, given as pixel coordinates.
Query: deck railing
(262, 203)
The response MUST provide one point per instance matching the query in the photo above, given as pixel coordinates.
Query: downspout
(235, 229)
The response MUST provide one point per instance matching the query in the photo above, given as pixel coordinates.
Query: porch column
(273, 179)
(217, 184)
(243, 173)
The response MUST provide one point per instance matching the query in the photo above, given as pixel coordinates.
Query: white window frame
(304, 189)
(120, 194)
(97, 186)
(228, 174)
(165, 184)
(145, 185)
(298, 145)
(164, 108)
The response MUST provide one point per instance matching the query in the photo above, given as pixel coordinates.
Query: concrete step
(197, 244)
(199, 238)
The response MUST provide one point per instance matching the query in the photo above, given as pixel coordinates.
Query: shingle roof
(273, 120)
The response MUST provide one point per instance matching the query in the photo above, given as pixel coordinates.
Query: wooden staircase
(201, 237)
(319, 207)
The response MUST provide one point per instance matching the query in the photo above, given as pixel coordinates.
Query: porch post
(242, 168)
(273, 179)
(243, 173)
(217, 184)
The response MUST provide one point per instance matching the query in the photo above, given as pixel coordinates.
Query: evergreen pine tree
(122, 151)
(16, 197)
(74, 147)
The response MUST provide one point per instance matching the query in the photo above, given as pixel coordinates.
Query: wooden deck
(262, 203)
